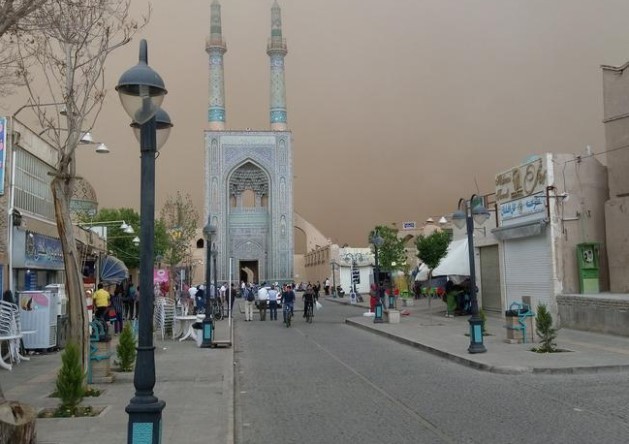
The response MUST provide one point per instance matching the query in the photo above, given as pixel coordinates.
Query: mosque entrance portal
(249, 271)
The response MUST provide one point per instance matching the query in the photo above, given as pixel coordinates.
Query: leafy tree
(121, 243)
(61, 60)
(392, 254)
(432, 248)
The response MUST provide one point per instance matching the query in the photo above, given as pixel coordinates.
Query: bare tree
(66, 53)
(180, 218)
(14, 15)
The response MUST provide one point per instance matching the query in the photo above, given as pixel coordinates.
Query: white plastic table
(184, 328)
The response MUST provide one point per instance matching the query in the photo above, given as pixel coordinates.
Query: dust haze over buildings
(397, 108)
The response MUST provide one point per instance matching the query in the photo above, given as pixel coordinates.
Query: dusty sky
(397, 108)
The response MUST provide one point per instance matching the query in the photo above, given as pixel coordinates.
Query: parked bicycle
(216, 308)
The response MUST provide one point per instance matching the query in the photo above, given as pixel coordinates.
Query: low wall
(602, 313)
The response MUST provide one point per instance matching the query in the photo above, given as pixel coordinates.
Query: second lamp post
(208, 231)
(377, 242)
(469, 212)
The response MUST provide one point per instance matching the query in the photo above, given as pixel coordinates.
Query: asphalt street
(328, 382)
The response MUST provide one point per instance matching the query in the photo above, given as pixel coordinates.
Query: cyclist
(309, 297)
(288, 299)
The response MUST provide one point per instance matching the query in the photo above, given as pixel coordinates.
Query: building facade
(249, 174)
(30, 249)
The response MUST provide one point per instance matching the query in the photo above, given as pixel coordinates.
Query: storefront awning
(113, 270)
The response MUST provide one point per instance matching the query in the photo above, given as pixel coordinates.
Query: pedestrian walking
(116, 303)
(273, 303)
(102, 298)
(250, 299)
(199, 297)
(263, 299)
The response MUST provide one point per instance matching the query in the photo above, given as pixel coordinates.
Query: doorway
(249, 271)
(490, 279)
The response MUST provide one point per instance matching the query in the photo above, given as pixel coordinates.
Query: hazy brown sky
(397, 107)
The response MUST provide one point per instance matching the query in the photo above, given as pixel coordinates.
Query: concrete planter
(408, 302)
(392, 316)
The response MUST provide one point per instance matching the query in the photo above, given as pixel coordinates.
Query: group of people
(270, 296)
(117, 307)
(263, 297)
(193, 299)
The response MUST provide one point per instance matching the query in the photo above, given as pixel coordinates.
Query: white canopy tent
(456, 261)
(422, 273)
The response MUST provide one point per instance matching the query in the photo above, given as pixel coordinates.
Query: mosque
(249, 175)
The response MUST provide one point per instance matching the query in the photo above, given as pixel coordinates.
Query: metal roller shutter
(528, 269)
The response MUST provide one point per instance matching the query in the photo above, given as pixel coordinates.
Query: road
(327, 382)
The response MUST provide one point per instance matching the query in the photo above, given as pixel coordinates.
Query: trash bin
(519, 323)
(200, 329)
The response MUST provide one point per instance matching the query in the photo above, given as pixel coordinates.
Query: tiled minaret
(276, 49)
(215, 47)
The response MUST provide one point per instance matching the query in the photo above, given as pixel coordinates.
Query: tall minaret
(276, 49)
(215, 47)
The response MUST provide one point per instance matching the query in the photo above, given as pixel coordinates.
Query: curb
(498, 369)
(443, 354)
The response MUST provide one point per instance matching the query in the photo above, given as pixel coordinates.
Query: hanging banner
(160, 275)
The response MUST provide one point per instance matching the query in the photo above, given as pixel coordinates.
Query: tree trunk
(78, 331)
(17, 423)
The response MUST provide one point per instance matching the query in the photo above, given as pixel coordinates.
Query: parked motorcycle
(339, 291)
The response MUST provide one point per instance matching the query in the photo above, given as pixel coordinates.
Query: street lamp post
(391, 289)
(141, 91)
(465, 216)
(377, 242)
(214, 255)
(208, 325)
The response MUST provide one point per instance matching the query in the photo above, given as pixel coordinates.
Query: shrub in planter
(126, 348)
(545, 330)
(483, 320)
(70, 379)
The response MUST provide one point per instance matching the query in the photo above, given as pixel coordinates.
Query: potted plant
(407, 299)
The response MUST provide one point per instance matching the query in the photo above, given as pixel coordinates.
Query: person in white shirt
(273, 303)
(263, 299)
(223, 292)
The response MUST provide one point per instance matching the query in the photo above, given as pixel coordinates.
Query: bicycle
(309, 313)
(216, 308)
(288, 314)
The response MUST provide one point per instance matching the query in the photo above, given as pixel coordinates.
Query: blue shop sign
(42, 252)
(526, 206)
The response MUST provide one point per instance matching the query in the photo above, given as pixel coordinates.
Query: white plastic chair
(164, 316)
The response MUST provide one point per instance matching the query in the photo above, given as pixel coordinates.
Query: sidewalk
(196, 383)
(427, 328)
